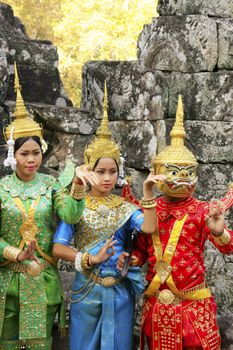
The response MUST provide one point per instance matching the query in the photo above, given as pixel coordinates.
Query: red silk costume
(181, 323)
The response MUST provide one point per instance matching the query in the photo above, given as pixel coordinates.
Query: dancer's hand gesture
(104, 253)
(84, 174)
(215, 218)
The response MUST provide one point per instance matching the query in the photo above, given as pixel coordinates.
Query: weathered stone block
(137, 141)
(221, 8)
(6, 13)
(66, 119)
(225, 322)
(206, 96)
(137, 178)
(64, 147)
(134, 93)
(210, 141)
(37, 63)
(219, 274)
(4, 70)
(225, 43)
(4, 121)
(179, 43)
(213, 180)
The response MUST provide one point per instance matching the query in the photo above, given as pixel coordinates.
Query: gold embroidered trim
(165, 257)
(224, 238)
(33, 269)
(77, 191)
(164, 268)
(108, 281)
(11, 253)
(110, 202)
(29, 229)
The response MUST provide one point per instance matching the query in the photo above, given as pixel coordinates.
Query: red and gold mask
(180, 180)
(176, 162)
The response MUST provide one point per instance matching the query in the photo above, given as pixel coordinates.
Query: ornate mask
(177, 162)
(181, 180)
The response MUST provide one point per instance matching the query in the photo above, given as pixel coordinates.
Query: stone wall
(187, 50)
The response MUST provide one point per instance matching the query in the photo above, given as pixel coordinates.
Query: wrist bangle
(89, 260)
(18, 256)
(77, 191)
(77, 181)
(85, 261)
(11, 253)
(224, 238)
(148, 203)
(78, 262)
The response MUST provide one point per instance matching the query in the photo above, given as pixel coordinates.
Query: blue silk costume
(102, 317)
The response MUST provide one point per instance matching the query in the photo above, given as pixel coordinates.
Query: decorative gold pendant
(108, 281)
(103, 210)
(163, 269)
(34, 269)
(166, 297)
(28, 230)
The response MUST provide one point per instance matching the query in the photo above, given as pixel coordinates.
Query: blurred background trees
(85, 30)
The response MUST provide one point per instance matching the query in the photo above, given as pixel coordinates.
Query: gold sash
(164, 269)
(29, 229)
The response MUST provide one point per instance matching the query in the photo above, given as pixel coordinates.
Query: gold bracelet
(89, 260)
(224, 238)
(148, 203)
(77, 191)
(11, 253)
(85, 261)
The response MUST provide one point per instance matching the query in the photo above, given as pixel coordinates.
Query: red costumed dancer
(179, 311)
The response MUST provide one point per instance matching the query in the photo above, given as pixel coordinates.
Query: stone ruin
(187, 50)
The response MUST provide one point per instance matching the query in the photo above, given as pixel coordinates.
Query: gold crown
(177, 152)
(102, 146)
(23, 125)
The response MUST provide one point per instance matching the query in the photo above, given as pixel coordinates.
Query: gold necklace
(102, 205)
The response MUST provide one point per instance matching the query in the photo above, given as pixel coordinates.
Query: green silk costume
(29, 303)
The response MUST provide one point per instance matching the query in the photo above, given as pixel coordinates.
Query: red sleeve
(226, 248)
(140, 248)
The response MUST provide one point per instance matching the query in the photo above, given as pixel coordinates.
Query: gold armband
(11, 253)
(77, 191)
(148, 203)
(85, 261)
(224, 238)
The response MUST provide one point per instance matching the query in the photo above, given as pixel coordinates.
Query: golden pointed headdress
(23, 125)
(176, 152)
(102, 146)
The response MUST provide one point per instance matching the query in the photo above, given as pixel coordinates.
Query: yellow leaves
(85, 30)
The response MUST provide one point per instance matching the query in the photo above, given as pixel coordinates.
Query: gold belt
(108, 281)
(166, 296)
(33, 269)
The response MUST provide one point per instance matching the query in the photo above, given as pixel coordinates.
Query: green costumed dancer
(30, 289)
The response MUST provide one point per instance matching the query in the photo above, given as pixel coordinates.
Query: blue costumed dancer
(102, 302)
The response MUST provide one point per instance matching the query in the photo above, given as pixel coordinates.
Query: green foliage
(85, 30)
